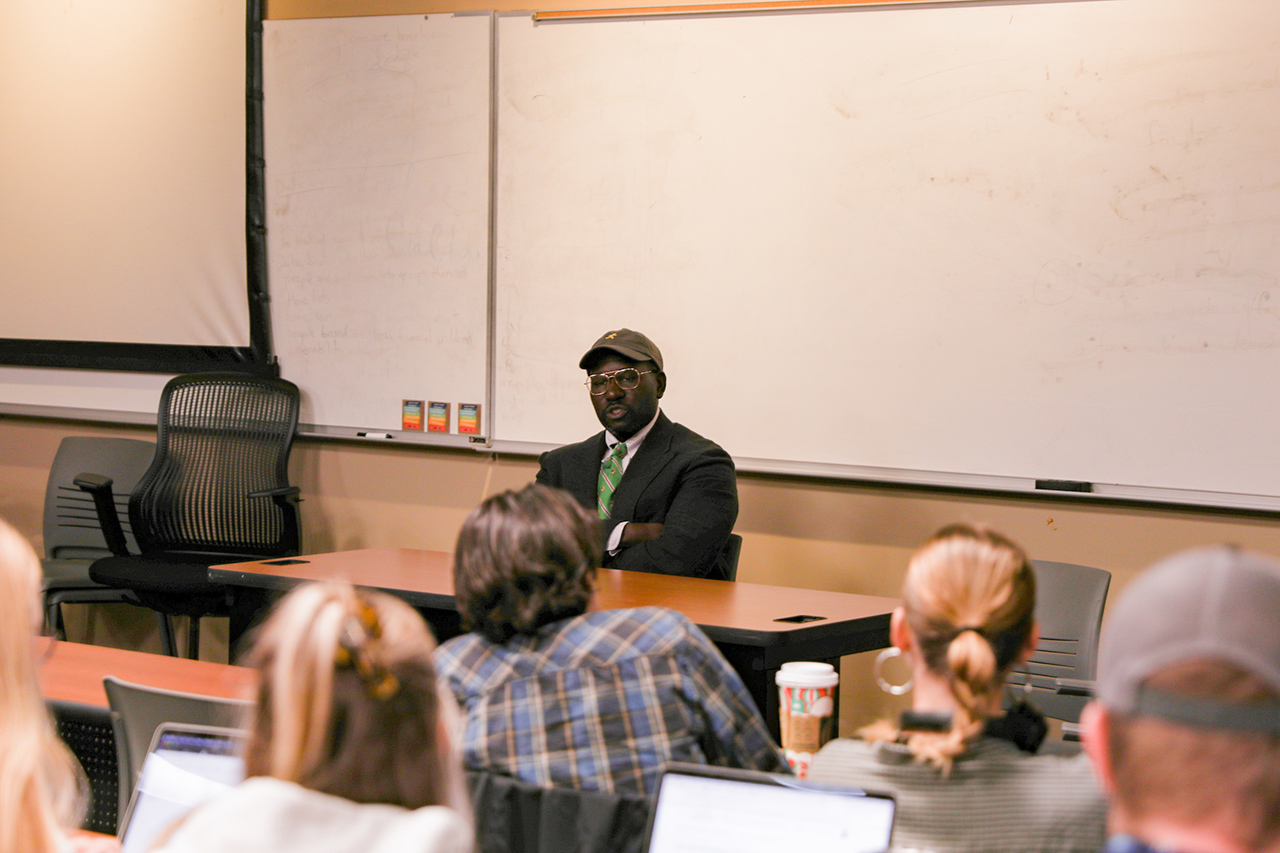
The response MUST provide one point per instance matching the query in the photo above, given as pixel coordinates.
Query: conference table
(71, 682)
(757, 627)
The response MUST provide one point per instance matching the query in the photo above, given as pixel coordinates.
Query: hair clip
(386, 687)
(369, 619)
(353, 653)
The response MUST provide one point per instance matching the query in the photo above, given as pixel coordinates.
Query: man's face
(623, 412)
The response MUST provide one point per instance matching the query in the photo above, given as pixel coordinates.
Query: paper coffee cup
(806, 706)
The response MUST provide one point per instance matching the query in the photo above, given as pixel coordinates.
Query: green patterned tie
(610, 474)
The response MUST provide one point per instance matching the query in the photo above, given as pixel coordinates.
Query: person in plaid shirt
(558, 695)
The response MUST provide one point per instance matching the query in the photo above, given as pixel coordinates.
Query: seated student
(968, 614)
(42, 788)
(556, 695)
(351, 743)
(1185, 731)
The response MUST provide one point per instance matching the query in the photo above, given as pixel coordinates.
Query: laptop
(185, 766)
(703, 809)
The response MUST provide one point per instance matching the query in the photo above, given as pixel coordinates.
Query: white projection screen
(124, 188)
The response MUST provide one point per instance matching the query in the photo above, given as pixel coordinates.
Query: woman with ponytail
(963, 769)
(351, 744)
(42, 789)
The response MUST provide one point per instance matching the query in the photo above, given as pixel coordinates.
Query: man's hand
(636, 532)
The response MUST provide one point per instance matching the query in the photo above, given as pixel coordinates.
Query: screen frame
(257, 357)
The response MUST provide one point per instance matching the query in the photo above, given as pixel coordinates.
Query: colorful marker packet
(469, 418)
(437, 417)
(411, 415)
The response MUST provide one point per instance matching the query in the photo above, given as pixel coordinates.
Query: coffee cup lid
(807, 674)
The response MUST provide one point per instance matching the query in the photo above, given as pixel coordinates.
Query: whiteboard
(984, 242)
(377, 149)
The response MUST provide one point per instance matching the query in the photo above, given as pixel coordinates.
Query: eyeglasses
(627, 378)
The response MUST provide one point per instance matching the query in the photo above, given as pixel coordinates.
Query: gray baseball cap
(1218, 603)
(627, 343)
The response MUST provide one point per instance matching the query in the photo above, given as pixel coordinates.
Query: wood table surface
(743, 619)
(73, 672)
(744, 612)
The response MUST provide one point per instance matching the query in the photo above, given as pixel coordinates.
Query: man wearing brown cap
(668, 497)
(1185, 731)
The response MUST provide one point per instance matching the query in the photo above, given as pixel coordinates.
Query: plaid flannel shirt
(603, 701)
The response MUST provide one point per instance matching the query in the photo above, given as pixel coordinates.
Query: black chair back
(221, 464)
(217, 491)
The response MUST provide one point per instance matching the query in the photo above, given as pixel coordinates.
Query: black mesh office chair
(217, 492)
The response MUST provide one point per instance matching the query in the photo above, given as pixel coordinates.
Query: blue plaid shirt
(603, 701)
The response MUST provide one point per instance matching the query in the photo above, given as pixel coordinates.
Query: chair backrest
(520, 816)
(137, 711)
(71, 529)
(220, 438)
(729, 556)
(1069, 603)
(86, 730)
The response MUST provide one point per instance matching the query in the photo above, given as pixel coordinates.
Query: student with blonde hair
(962, 769)
(42, 789)
(351, 744)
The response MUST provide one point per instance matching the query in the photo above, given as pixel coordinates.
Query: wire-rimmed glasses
(627, 378)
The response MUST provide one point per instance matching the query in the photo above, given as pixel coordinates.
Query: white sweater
(273, 816)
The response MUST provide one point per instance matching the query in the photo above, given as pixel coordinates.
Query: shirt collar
(633, 443)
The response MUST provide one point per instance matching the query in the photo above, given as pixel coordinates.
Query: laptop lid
(185, 766)
(702, 809)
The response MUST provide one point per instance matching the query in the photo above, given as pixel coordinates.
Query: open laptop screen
(185, 766)
(702, 809)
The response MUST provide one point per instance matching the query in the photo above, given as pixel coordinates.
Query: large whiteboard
(377, 148)
(1014, 240)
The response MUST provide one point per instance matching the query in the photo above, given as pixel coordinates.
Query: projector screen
(125, 165)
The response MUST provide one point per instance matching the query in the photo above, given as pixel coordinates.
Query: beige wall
(824, 535)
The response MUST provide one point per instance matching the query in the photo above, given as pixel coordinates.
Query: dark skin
(624, 413)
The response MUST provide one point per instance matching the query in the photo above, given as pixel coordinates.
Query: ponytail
(969, 599)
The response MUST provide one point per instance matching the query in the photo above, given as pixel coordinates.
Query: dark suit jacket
(677, 478)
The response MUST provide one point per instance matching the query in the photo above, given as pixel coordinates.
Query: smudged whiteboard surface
(377, 149)
(1026, 240)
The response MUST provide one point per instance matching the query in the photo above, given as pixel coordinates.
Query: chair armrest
(284, 494)
(1073, 686)
(286, 498)
(104, 501)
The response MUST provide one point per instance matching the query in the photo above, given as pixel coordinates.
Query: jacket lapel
(586, 472)
(653, 456)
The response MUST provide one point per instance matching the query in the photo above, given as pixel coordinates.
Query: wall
(815, 534)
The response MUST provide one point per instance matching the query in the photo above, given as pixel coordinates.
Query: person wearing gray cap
(1185, 730)
(667, 497)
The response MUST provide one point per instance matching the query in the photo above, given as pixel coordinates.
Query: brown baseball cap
(626, 343)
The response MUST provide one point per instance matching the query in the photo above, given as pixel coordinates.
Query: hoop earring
(891, 689)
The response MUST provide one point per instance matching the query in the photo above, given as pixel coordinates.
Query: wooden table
(73, 672)
(746, 621)
(71, 682)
